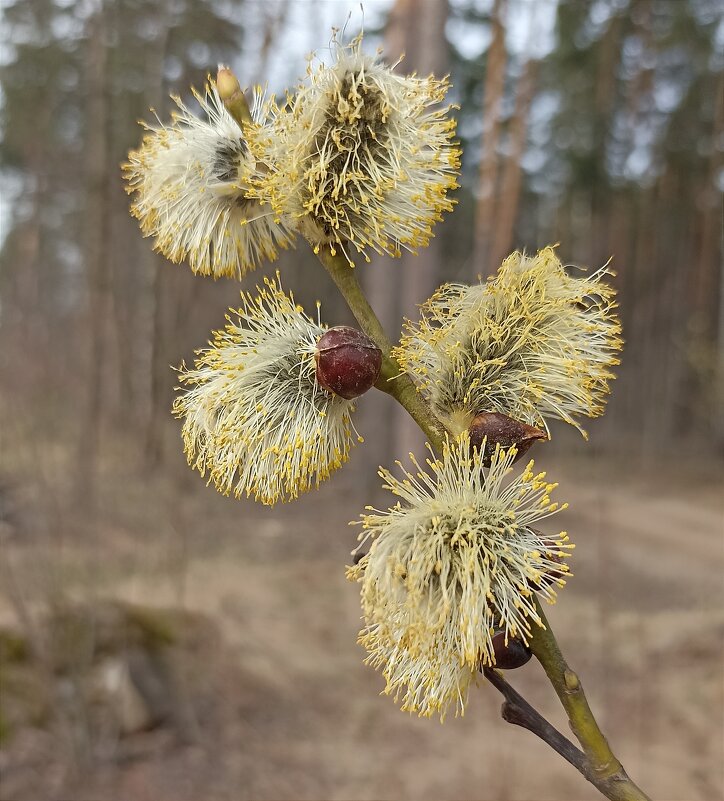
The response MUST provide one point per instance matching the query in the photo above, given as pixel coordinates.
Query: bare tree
(158, 269)
(492, 114)
(95, 258)
(275, 16)
(510, 183)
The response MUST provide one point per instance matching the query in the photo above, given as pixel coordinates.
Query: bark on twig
(519, 712)
(607, 773)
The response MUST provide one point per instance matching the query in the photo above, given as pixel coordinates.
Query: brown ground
(286, 709)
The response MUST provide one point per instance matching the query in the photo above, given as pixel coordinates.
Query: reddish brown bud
(348, 361)
(513, 655)
(499, 429)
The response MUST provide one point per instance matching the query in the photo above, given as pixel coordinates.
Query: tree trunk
(488, 169)
(274, 21)
(96, 239)
(157, 268)
(606, 72)
(509, 195)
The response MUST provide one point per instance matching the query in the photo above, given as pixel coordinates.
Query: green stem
(606, 772)
(597, 763)
(392, 379)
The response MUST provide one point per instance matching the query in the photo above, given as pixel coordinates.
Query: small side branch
(516, 710)
(519, 712)
(608, 774)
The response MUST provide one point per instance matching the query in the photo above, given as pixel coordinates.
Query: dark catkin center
(365, 137)
(242, 201)
(370, 128)
(475, 350)
(453, 390)
(286, 374)
(227, 158)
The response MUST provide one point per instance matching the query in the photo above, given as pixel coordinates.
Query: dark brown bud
(348, 361)
(513, 655)
(499, 429)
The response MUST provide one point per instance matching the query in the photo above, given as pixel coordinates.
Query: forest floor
(289, 710)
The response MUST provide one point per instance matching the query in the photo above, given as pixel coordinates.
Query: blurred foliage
(621, 157)
(624, 159)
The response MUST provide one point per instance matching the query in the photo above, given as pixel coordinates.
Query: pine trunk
(95, 259)
(485, 219)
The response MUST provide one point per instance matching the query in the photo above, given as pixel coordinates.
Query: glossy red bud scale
(499, 429)
(348, 362)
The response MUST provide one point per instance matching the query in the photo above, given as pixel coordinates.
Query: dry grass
(287, 709)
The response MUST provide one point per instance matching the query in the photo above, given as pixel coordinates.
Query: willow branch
(519, 712)
(392, 379)
(596, 762)
(607, 771)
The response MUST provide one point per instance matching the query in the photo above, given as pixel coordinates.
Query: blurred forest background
(162, 642)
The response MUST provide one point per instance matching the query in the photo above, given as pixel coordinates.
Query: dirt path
(642, 620)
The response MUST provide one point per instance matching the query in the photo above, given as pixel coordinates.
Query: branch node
(571, 680)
